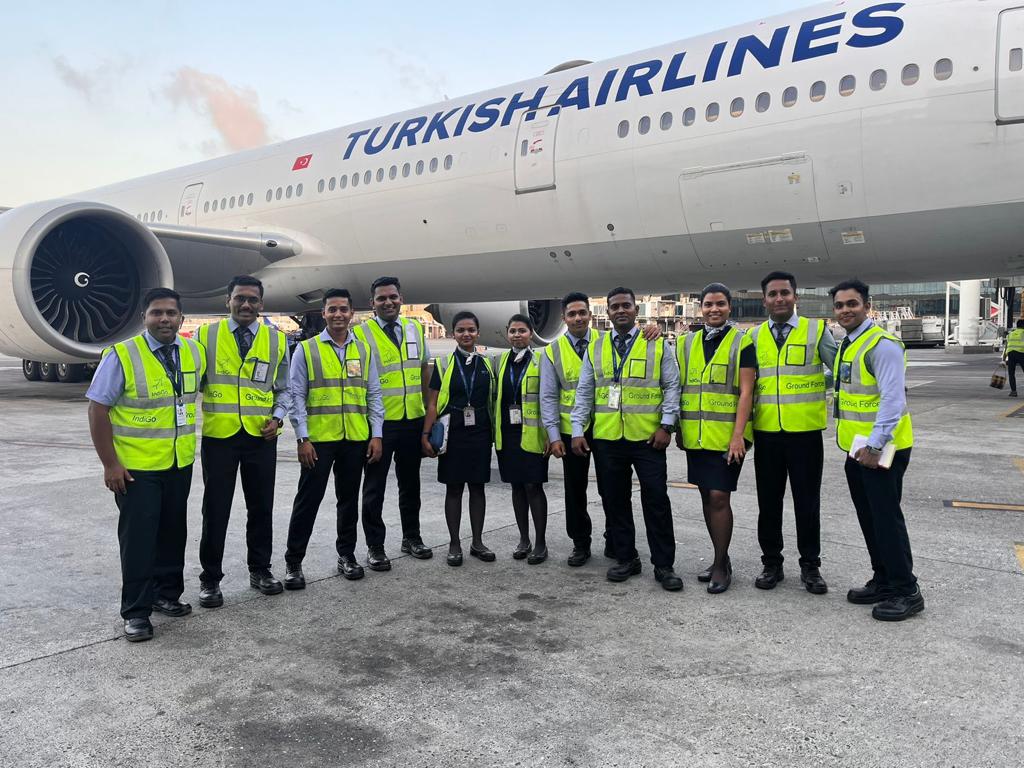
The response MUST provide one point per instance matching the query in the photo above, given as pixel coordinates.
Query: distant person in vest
(519, 438)
(793, 353)
(337, 411)
(142, 417)
(462, 387)
(245, 400)
(871, 408)
(399, 346)
(1013, 355)
(717, 366)
(630, 388)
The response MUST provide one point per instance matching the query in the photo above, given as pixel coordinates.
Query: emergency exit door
(1010, 67)
(535, 151)
(189, 204)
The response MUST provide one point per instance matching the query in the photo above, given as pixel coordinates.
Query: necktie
(581, 347)
(244, 338)
(394, 334)
(167, 357)
(620, 344)
(781, 332)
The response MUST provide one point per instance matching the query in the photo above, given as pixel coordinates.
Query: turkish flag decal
(302, 162)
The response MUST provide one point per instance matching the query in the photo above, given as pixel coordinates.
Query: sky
(99, 92)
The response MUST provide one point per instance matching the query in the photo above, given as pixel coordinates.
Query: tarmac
(508, 664)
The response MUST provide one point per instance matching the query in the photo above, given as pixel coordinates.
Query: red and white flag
(302, 162)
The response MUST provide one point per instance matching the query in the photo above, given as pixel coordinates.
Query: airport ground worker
(142, 415)
(1013, 354)
(871, 406)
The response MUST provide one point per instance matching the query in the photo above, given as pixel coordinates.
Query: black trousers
(1013, 359)
(876, 494)
(346, 458)
(615, 461)
(222, 459)
(151, 531)
(798, 456)
(401, 441)
(576, 478)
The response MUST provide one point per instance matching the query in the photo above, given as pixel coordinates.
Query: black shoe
(174, 608)
(521, 551)
(1013, 394)
(263, 580)
(294, 578)
(718, 587)
(483, 554)
(417, 549)
(622, 571)
(537, 556)
(137, 630)
(210, 595)
(899, 607)
(377, 560)
(870, 593)
(704, 576)
(349, 568)
(454, 559)
(668, 578)
(810, 577)
(579, 556)
(770, 576)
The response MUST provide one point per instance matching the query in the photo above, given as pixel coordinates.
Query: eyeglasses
(254, 300)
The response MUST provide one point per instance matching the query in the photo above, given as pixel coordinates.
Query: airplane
(878, 139)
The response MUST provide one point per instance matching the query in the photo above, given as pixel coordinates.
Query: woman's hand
(428, 449)
(737, 450)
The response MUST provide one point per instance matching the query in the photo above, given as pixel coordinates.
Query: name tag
(260, 371)
(845, 372)
(719, 373)
(412, 350)
(189, 382)
(638, 369)
(515, 415)
(614, 395)
(354, 368)
(796, 355)
(181, 415)
(469, 417)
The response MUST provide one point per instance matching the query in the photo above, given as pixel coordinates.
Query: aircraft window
(645, 125)
(1016, 59)
(393, 172)
(736, 108)
(448, 162)
(789, 96)
(689, 116)
(248, 200)
(524, 145)
(270, 195)
(278, 193)
(711, 113)
(367, 177)
(433, 164)
(763, 101)
(878, 80)
(288, 192)
(847, 85)
(666, 121)
(419, 167)
(298, 190)
(214, 206)
(380, 174)
(623, 129)
(145, 217)
(944, 67)
(223, 203)
(231, 202)
(160, 215)
(818, 91)
(406, 168)
(342, 182)
(330, 184)
(320, 186)
(355, 179)
(911, 73)
(206, 207)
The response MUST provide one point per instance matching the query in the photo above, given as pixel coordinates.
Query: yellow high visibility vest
(790, 392)
(336, 398)
(567, 366)
(232, 399)
(638, 413)
(144, 418)
(856, 404)
(400, 368)
(710, 391)
(1015, 341)
(445, 366)
(529, 388)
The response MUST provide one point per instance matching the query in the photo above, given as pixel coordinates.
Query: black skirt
(468, 457)
(708, 470)
(515, 464)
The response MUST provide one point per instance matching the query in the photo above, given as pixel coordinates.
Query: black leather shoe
(899, 607)
(521, 551)
(770, 576)
(579, 556)
(718, 587)
(377, 560)
(870, 593)
(537, 556)
(483, 554)
(349, 568)
(294, 578)
(137, 630)
(454, 559)
(622, 571)
(704, 576)
(668, 578)
(174, 608)
(417, 549)
(810, 577)
(210, 595)
(263, 580)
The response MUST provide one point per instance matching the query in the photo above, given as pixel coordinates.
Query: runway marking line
(1019, 463)
(1019, 548)
(1017, 410)
(983, 505)
(673, 484)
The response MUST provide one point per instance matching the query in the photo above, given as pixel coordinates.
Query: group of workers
(361, 398)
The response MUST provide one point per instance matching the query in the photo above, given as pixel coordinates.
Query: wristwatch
(874, 451)
(279, 420)
(302, 440)
(670, 428)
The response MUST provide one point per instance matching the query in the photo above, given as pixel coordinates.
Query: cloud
(234, 112)
(75, 79)
(415, 78)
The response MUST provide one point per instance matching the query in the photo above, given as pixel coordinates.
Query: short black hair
(155, 294)
(851, 285)
(465, 314)
(518, 318)
(716, 288)
(569, 298)
(778, 275)
(620, 289)
(384, 280)
(237, 280)
(337, 293)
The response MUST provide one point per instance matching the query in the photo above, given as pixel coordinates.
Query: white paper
(888, 452)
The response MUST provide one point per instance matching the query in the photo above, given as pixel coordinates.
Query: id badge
(515, 415)
(614, 395)
(181, 415)
(796, 355)
(354, 368)
(260, 371)
(412, 350)
(469, 417)
(845, 372)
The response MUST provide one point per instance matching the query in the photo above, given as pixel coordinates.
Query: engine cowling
(546, 315)
(72, 277)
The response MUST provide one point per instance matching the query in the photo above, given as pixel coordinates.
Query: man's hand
(660, 439)
(270, 428)
(558, 449)
(428, 449)
(116, 478)
(374, 449)
(737, 450)
(579, 446)
(867, 459)
(307, 454)
(651, 331)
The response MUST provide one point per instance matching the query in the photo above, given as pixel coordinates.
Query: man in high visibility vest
(399, 346)
(245, 400)
(629, 387)
(142, 415)
(1013, 354)
(871, 411)
(793, 353)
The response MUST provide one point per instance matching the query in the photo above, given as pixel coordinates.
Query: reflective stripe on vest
(639, 410)
(444, 365)
(529, 388)
(710, 391)
(1015, 341)
(797, 371)
(401, 376)
(858, 398)
(231, 399)
(336, 398)
(144, 421)
(567, 366)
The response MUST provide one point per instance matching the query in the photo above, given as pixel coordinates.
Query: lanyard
(177, 377)
(517, 395)
(462, 374)
(618, 365)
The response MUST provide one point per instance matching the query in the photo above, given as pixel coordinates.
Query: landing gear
(47, 371)
(70, 373)
(31, 369)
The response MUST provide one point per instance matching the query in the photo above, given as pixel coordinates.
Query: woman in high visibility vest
(519, 438)
(717, 367)
(462, 388)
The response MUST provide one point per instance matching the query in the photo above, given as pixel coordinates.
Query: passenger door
(189, 206)
(1010, 67)
(535, 151)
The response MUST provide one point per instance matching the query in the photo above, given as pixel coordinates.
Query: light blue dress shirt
(551, 390)
(885, 361)
(282, 395)
(107, 384)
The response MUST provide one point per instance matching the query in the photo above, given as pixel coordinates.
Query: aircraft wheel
(47, 371)
(69, 373)
(31, 369)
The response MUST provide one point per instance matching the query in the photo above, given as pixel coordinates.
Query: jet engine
(546, 315)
